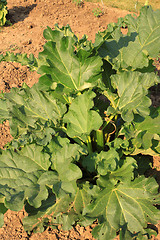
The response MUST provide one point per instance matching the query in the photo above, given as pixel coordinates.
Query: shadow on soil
(17, 14)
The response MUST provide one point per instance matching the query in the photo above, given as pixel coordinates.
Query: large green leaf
(153, 118)
(128, 204)
(41, 160)
(19, 173)
(131, 90)
(148, 28)
(29, 105)
(64, 156)
(111, 49)
(141, 43)
(80, 119)
(123, 172)
(61, 64)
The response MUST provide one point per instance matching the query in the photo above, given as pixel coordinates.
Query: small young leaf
(107, 161)
(144, 133)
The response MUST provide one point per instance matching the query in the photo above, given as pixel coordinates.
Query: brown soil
(29, 18)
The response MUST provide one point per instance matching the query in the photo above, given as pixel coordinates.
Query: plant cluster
(3, 12)
(84, 134)
(97, 12)
(79, 3)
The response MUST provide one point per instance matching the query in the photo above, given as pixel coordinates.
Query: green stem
(89, 144)
(115, 118)
(80, 142)
(99, 140)
(108, 138)
(106, 122)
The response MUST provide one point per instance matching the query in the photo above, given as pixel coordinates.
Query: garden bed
(25, 35)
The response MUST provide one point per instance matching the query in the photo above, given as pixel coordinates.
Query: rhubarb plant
(84, 135)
